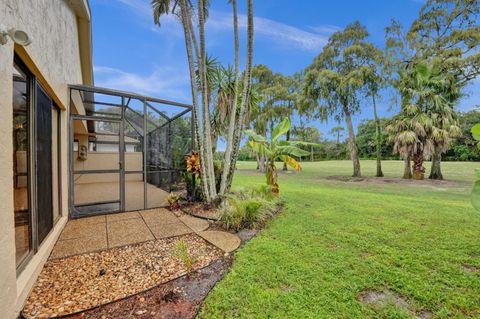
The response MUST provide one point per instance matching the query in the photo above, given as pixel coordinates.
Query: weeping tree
(374, 82)
(195, 43)
(335, 78)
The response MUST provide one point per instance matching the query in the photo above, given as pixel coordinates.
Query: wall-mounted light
(18, 36)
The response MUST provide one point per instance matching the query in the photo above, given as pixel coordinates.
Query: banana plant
(476, 187)
(277, 150)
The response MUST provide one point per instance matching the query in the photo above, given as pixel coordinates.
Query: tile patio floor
(91, 234)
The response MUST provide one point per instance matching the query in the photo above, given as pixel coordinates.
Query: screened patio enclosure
(126, 151)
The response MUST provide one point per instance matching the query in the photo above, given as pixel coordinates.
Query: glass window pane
(20, 165)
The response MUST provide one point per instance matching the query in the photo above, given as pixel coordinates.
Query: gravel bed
(179, 298)
(81, 282)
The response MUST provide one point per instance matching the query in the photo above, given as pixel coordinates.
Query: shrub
(173, 200)
(248, 208)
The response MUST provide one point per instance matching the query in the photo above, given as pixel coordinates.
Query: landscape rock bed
(178, 298)
(82, 282)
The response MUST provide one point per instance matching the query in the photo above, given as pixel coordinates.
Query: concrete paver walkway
(91, 234)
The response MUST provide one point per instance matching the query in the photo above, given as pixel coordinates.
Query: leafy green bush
(249, 208)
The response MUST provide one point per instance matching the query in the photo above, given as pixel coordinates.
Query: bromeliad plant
(277, 150)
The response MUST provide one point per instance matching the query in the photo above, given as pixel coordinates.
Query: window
(21, 162)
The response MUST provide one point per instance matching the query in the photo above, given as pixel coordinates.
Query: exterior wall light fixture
(18, 36)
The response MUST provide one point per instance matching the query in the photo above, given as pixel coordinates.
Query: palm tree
(337, 130)
(228, 161)
(185, 10)
(426, 121)
(247, 80)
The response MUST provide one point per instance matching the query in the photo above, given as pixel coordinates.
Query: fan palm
(427, 121)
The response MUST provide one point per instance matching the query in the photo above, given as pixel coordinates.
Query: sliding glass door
(44, 162)
(36, 163)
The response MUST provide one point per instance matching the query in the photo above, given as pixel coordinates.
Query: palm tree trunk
(378, 136)
(407, 170)
(311, 153)
(233, 112)
(351, 142)
(205, 106)
(418, 169)
(193, 85)
(436, 171)
(194, 39)
(285, 168)
(245, 96)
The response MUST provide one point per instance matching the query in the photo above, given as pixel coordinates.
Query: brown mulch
(81, 282)
(201, 211)
(179, 298)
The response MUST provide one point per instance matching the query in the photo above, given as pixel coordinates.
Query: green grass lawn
(335, 239)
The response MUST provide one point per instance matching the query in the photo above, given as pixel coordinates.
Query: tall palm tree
(196, 54)
(337, 130)
(247, 80)
(184, 10)
(202, 15)
(233, 109)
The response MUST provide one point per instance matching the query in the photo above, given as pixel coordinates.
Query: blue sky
(132, 54)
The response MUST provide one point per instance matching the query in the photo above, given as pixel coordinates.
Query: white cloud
(326, 29)
(220, 21)
(272, 30)
(143, 10)
(168, 83)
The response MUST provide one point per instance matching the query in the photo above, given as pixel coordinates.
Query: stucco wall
(99, 161)
(54, 52)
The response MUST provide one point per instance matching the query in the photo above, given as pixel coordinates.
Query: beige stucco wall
(100, 161)
(54, 57)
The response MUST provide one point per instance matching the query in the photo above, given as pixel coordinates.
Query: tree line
(427, 67)
(424, 68)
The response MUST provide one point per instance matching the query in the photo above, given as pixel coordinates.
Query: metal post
(145, 129)
(170, 157)
(122, 157)
(70, 161)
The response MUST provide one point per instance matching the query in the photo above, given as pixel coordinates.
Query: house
(63, 154)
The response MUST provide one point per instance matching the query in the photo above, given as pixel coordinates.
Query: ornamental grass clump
(249, 208)
(185, 256)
